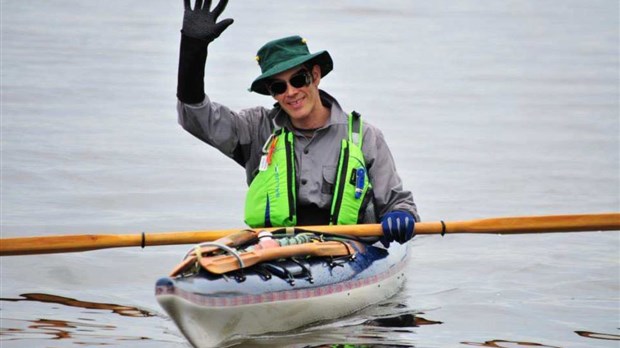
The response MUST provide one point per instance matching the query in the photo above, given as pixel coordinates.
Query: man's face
(301, 103)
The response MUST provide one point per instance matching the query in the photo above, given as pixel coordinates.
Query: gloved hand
(199, 23)
(199, 29)
(397, 226)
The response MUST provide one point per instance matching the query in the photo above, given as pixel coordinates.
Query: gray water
(491, 108)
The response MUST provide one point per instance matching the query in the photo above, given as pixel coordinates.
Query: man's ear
(316, 73)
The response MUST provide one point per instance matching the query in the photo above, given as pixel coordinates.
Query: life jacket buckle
(268, 143)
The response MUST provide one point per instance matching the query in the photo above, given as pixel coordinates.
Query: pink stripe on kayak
(233, 301)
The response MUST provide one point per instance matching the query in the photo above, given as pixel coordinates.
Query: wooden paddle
(503, 225)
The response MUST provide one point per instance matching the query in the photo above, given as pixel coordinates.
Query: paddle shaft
(502, 225)
(86, 242)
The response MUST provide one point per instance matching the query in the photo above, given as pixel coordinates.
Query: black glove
(199, 29)
(199, 23)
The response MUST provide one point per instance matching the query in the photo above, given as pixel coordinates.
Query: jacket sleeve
(235, 134)
(388, 191)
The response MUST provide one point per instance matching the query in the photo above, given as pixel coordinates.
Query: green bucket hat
(282, 54)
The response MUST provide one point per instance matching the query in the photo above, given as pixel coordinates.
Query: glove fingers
(217, 11)
(198, 5)
(387, 237)
(398, 226)
(384, 242)
(411, 231)
(400, 230)
(406, 231)
(188, 6)
(221, 26)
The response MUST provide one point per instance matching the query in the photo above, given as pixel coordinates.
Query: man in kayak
(307, 161)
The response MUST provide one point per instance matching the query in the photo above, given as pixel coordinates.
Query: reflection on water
(85, 328)
(365, 330)
(507, 344)
(47, 298)
(59, 330)
(598, 335)
(405, 320)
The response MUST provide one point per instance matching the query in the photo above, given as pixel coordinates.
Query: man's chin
(296, 114)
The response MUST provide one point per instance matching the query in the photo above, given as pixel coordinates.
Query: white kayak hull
(213, 319)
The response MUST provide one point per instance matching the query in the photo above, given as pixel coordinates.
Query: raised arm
(200, 27)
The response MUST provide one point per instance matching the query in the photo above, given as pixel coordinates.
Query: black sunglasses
(301, 79)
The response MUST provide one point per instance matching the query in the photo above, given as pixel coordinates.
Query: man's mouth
(295, 104)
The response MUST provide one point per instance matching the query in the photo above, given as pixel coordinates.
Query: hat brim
(322, 58)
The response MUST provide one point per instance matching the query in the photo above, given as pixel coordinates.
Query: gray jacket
(241, 136)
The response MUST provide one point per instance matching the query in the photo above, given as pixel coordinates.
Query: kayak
(220, 299)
